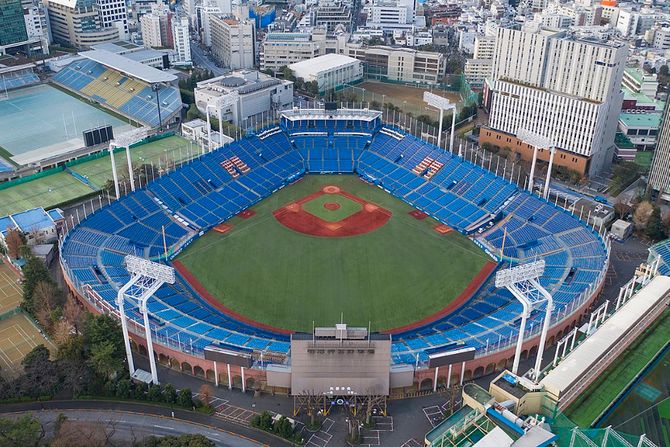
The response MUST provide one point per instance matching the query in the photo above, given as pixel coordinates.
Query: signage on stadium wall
(450, 357)
(221, 355)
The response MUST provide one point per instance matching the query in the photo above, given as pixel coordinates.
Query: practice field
(408, 98)
(62, 187)
(42, 121)
(10, 290)
(165, 151)
(46, 192)
(18, 336)
(393, 275)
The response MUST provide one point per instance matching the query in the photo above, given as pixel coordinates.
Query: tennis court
(18, 336)
(10, 290)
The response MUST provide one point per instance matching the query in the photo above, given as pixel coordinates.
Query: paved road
(150, 419)
(202, 60)
(131, 427)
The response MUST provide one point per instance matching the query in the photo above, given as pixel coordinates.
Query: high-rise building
(77, 23)
(233, 42)
(535, 85)
(114, 14)
(659, 175)
(181, 41)
(157, 27)
(12, 25)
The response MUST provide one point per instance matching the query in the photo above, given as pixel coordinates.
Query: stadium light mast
(442, 104)
(126, 140)
(523, 282)
(146, 277)
(538, 142)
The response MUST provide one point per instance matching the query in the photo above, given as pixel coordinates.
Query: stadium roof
(128, 66)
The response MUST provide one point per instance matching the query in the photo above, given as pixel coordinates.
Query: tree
(205, 394)
(155, 393)
(176, 441)
(185, 398)
(642, 215)
(25, 431)
(312, 87)
(192, 112)
(34, 272)
(104, 328)
(169, 394)
(623, 175)
(655, 230)
(75, 315)
(105, 360)
(14, 239)
(287, 73)
(40, 377)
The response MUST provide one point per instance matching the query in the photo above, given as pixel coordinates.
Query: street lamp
(156, 88)
(442, 104)
(538, 142)
(126, 140)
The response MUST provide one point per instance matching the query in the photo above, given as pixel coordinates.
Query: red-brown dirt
(368, 219)
(331, 206)
(246, 214)
(223, 228)
(418, 215)
(443, 229)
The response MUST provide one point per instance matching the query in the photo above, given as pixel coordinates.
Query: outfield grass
(45, 192)
(395, 275)
(160, 153)
(597, 397)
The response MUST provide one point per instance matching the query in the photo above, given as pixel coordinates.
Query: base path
(369, 218)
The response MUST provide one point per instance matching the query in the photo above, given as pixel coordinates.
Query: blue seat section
(513, 226)
(141, 103)
(169, 213)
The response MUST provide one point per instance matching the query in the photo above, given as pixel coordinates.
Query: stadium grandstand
(17, 77)
(511, 225)
(142, 93)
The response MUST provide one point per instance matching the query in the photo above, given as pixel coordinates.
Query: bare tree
(14, 239)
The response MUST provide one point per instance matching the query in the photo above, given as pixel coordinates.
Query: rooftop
(30, 220)
(325, 62)
(635, 120)
(128, 66)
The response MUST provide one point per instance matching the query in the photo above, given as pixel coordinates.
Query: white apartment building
(477, 71)
(181, 41)
(156, 27)
(243, 96)
(329, 71)
(391, 15)
(206, 15)
(77, 23)
(534, 86)
(37, 25)
(627, 22)
(114, 14)
(233, 42)
(484, 47)
(330, 14)
(662, 38)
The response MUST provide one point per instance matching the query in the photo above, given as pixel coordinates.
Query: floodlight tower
(538, 142)
(442, 104)
(146, 277)
(126, 140)
(523, 282)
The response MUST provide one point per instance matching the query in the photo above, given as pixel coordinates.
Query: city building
(114, 14)
(156, 27)
(243, 97)
(399, 64)
(330, 14)
(659, 175)
(329, 71)
(38, 226)
(37, 26)
(77, 23)
(638, 81)
(282, 49)
(534, 86)
(181, 41)
(14, 28)
(392, 15)
(641, 129)
(662, 38)
(233, 42)
(477, 71)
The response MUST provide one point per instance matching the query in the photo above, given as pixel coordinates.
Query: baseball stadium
(330, 217)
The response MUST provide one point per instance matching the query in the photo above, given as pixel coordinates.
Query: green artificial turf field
(395, 275)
